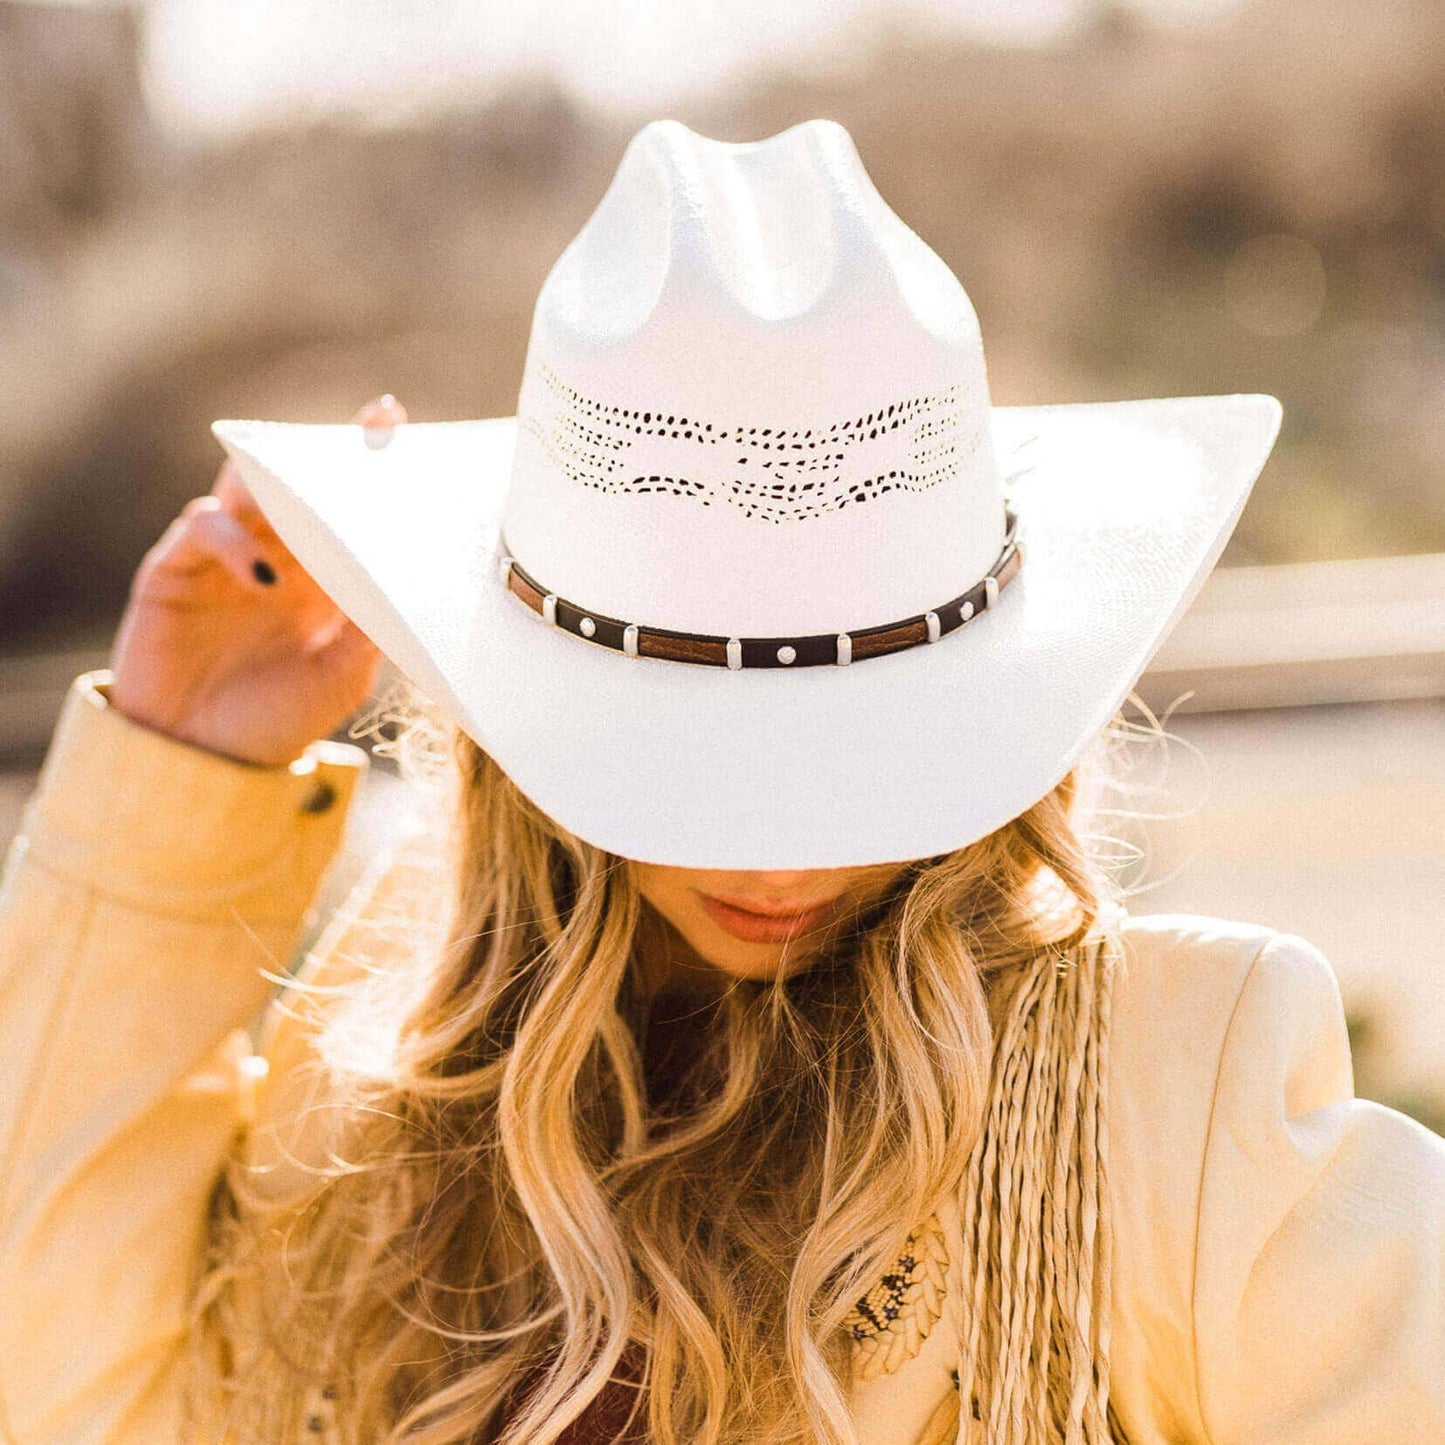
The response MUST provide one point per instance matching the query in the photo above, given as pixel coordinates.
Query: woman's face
(757, 925)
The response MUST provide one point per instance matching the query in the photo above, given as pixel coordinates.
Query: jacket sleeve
(151, 896)
(1319, 1302)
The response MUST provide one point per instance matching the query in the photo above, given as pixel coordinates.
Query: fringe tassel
(1034, 1365)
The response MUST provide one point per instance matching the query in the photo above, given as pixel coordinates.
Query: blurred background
(279, 208)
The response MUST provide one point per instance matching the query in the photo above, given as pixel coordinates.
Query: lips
(772, 926)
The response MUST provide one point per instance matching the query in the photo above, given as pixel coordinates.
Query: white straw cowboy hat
(756, 577)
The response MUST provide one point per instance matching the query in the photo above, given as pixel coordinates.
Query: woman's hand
(228, 644)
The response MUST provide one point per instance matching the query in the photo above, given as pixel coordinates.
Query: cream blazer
(1279, 1244)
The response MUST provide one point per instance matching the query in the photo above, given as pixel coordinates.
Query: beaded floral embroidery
(890, 1323)
(321, 1413)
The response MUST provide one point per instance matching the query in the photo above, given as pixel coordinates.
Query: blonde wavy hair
(500, 1224)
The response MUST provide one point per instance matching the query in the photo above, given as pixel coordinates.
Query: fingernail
(263, 571)
(387, 400)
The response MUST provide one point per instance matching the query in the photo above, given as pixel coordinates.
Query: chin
(753, 961)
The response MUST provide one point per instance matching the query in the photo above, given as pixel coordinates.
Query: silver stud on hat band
(833, 648)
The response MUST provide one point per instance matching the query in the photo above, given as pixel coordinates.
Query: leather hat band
(833, 649)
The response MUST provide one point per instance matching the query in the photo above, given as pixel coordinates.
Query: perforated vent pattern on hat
(776, 474)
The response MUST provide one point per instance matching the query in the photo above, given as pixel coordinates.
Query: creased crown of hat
(754, 431)
(754, 401)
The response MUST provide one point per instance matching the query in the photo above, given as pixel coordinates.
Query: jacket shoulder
(1196, 935)
(1181, 978)
(1184, 971)
(1182, 975)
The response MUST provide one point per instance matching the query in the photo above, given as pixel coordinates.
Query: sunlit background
(278, 208)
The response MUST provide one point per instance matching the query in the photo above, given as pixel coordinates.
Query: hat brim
(1123, 507)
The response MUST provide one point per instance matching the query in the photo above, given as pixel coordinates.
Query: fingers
(228, 527)
(350, 652)
(384, 410)
(236, 498)
(205, 534)
(378, 418)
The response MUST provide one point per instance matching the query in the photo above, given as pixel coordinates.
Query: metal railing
(1369, 630)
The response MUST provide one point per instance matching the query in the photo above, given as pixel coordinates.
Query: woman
(764, 1053)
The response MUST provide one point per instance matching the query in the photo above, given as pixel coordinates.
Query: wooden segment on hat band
(833, 649)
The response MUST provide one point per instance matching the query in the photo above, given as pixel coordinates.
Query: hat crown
(783, 226)
(754, 401)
